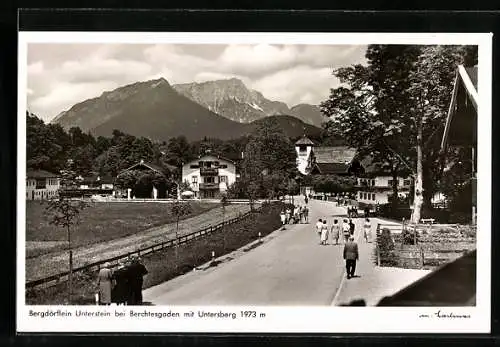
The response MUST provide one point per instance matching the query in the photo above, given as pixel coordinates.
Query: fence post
(422, 257)
(378, 254)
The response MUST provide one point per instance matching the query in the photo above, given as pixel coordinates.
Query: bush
(385, 245)
(410, 236)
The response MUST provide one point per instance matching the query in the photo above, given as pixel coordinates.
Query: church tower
(303, 147)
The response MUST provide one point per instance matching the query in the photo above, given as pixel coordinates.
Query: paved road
(289, 269)
(56, 262)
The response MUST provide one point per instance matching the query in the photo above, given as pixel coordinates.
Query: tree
(179, 209)
(394, 107)
(65, 212)
(268, 154)
(430, 93)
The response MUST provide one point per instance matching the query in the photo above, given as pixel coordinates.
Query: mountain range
(158, 110)
(232, 99)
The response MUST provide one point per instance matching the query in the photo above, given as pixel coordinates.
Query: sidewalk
(371, 283)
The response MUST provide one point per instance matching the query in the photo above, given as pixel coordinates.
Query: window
(302, 148)
(389, 182)
(407, 182)
(373, 196)
(364, 196)
(195, 180)
(194, 166)
(209, 179)
(373, 182)
(223, 179)
(223, 166)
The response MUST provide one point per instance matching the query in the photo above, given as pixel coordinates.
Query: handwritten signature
(441, 314)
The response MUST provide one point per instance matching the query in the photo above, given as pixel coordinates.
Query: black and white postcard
(254, 182)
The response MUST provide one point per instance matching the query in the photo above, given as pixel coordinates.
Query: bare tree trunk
(394, 186)
(418, 196)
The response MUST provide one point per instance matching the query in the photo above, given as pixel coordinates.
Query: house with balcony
(374, 184)
(41, 184)
(209, 176)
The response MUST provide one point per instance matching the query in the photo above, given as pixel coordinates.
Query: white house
(41, 185)
(376, 188)
(209, 175)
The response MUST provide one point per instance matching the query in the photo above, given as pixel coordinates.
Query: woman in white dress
(367, 228)
(324, 233)
(335, 232)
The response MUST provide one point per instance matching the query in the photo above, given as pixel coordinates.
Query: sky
(61, 75)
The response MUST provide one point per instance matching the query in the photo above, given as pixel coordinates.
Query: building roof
(335, 154)
(212, 156)
(304, 140)
(330, 168)
(150, 166)
(461, 121)
(40, 174)
(372, 168)
(472, 72)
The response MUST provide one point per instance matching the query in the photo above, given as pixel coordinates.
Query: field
(103, 221)
(164, 265)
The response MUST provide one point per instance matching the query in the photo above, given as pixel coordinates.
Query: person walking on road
(283, 218)
(351, 227)
(335, 231)
(136, 272)
(367, 230)
(324, 233)
(121, 291)
(287, 215)
(351, 255)
(319, 225)
(104, 281)
(345, 231)
(306, 214)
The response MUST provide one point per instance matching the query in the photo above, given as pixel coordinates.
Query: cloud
(95, 69)
(301, 84)
(60, 75)
(256, 59)
(65, 95)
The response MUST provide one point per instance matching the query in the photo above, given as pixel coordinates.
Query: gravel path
(50, 264)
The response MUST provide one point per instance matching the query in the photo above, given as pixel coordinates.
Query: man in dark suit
(136, 271)
(351, 255)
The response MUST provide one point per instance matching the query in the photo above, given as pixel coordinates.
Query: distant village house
(41, 184)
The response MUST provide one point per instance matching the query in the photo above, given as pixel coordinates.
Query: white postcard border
(277, 319)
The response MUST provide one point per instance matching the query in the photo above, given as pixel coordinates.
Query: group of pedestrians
(346, 230)
(299, 214)
(122, 286)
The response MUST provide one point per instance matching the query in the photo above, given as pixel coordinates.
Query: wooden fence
(114, 261)
(427, 251)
